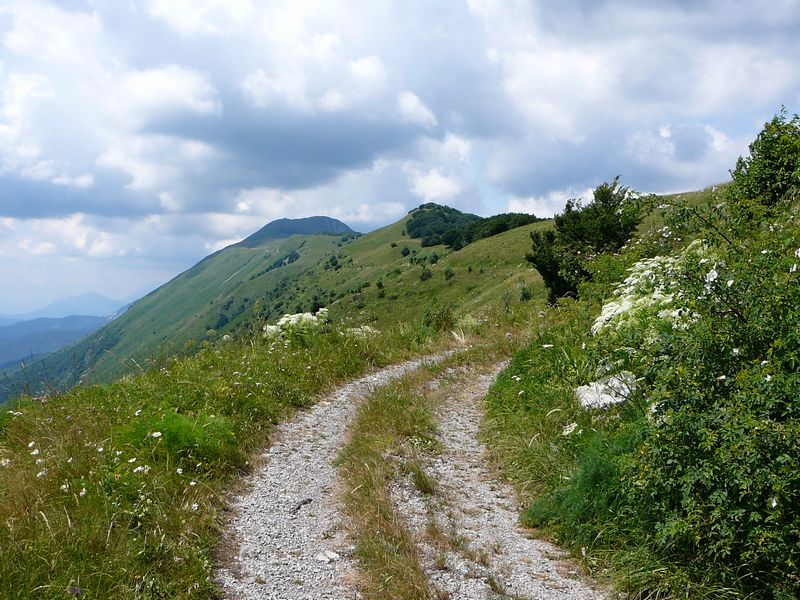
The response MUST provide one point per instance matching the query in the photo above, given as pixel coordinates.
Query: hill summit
(283, 228)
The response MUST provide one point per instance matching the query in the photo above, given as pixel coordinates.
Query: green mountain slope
(379, 277)
(209, 298)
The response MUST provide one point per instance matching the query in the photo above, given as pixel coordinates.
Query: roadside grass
(561, 457)
(116, 491)
(393, 418)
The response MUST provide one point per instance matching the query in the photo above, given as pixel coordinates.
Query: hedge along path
(467, 530)
(285, 539)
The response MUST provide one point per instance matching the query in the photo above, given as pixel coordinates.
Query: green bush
(716, 475)
(772, 169)
(439, 318)
(562, 256)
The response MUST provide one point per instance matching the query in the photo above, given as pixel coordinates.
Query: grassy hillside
(209, 298)
(372, 280)
(380, 277)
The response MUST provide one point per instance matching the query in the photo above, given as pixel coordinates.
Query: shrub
(581, 233)
(439, 318)
(772, 169)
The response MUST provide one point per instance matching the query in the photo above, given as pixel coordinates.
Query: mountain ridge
(285, 227)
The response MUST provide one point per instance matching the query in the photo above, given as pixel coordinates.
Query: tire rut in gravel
(471, 542)
(285, 538)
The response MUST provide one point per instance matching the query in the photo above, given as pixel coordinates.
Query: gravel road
(472, 545)
(285, 536)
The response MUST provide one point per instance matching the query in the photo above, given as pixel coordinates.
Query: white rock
(607, 391)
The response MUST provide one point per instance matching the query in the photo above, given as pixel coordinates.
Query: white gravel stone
(289, 518)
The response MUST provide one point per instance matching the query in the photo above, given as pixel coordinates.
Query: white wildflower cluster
(650, 288)
(361, 332)
(297, 324)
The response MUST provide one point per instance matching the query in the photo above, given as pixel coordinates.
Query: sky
(137, 137)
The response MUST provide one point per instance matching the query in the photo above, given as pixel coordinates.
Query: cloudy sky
(138, 136)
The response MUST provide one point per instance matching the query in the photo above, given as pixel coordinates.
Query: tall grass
(115, 491)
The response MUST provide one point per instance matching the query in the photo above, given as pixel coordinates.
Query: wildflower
(41, 473)
(82, 493)
(768, 377)
(721, 378)
(31, 444)
(5, 462)
(137, 413)
(521, 393)
(765, 252)
(797, 253)
(39, 461)
(195, 506)
(35, 452)
(179, 471)
(65, 487)
(100, 449)
(730, 282)
(15, 413)
(712, 275)
(793, 268)
(132, 460)
(736, 351)
(155, 434)
(192, 483)
(773, 503)
(69, 460)
(568, 429)
(142, 469)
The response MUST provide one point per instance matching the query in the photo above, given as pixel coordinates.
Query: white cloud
(170, 87)
(369, 74)
(434, 186)
(334, 101)
(412, 109)
(155, 162)
(212, 17)
(288, 87)
(78, 181)
(50, 33)
(549, 204)
(370, 212)
(19, 144)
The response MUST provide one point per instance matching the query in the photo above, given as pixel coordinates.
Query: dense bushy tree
(772, 169)
(582, 232)
(434, 224)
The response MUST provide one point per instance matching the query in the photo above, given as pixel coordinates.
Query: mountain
(283, 228)
(380, 275)
(212, 297)
(88, 304)
(36, 337)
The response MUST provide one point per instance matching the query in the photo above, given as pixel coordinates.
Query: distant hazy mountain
(36, 337)
(90, 303)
